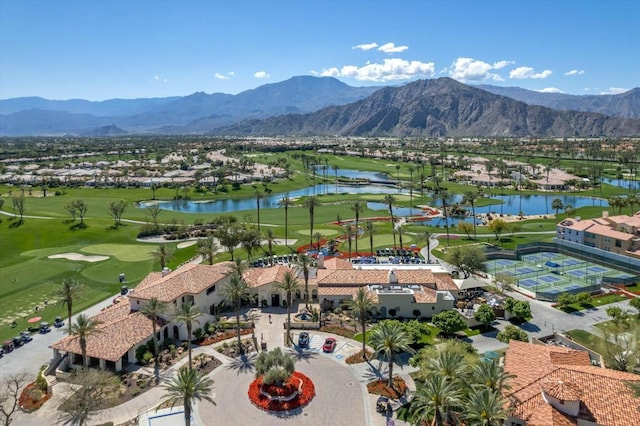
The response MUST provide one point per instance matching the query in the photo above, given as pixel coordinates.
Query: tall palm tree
(304, 263)
(485, 407)
(69, 291)
(270, 238)
(358, 207)
(389, 338)
(236, 292)
(490, 375)
(360, 305)
(390, 200)
(443, 196)
(207, 248)
(411, 169)
(187, 314)
(447, 364)
(238, 267)
(470, 197)
(250, 241)
(186, 388)
(370, 229)
(434, 399)
(310, 203)
(335, 171)
(317, 236)
(258, 195)
(83, 328)
(152, 310)
(349, 233)
(426, 237)
(286, 202)
(289, 285)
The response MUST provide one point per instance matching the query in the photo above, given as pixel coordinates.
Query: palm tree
(388, 338)
(447, 364)
(286, 202)
(335, 171)
(250, 241)
(358, 207)
(470, 197)
(485, 407)
(236, 292)
(238, 267)
(617, 202)
(317, 236)
(411, 169)
(360, 305)
(258, 195)
(310, 203)
(270, 237)
(349, 234)
(289, 285)
(444, 198)
(632, 200)
(163, 254)
(433, 400)
(390, 200)
(557, 205)
(305, 262)
(490, 375)
(83, 328)
(69, 291)
(187, 314)
(186, 388)
(208, 248)
(370, 229)
(152, 310)
(426, 237)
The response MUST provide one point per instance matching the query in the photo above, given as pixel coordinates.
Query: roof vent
(165, 271)
(393, 277)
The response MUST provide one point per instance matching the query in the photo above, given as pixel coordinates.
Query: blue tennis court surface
(550, 278)
(576, 273)
(570, 262)
(597, 269)
(505, 262)
(525, 270)
(528, 283)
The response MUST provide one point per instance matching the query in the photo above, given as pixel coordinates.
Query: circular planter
(297, 392)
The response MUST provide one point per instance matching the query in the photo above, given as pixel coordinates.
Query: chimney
(165, 271)
(393, 277)
(605, 214)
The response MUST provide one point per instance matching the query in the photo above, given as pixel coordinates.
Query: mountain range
(324, 105)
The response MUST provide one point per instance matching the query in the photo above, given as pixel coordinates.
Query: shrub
(147, 357)
(511, 332)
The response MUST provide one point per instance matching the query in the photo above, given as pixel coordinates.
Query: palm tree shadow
(243, 364)
(72, 419)
(374, 373)
(301, 354)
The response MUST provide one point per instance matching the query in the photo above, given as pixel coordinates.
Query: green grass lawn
(595, 302)
(586, 339)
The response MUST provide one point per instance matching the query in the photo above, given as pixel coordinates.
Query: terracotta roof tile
(190, 279)
(337, 263)
(120, 329)
(445, 282)
(377, 276)
(257, 277)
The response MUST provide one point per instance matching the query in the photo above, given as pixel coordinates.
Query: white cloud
(469, 69)
(392, 48)
(613, 91)
(221, 76)
(528, 72)
(261, 74)
(574, 72)
(550, 90)
(158, 78)
(366, 46)
(389, 69)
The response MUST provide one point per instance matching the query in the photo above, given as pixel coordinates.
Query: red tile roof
(257, 277)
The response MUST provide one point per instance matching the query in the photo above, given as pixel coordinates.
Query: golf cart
(44, 327)
(17, 341)
(58, 322)
(25, 336)
(383, 405)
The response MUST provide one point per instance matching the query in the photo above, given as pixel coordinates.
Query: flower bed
(340, 331)
(32, 398)
(358, 358)
(380, 387)
(223, 336)
(274, 398)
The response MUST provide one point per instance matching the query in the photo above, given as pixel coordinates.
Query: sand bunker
(78, 256)
(186, 244)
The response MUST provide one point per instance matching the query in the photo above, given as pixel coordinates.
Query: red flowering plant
(277, 386)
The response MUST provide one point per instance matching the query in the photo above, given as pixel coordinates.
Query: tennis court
(547, 274)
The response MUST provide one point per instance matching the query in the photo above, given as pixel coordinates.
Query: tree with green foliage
(620, 345)
(274, 366)
(304, 264)
(228, 235)
(286, 202)
(69, 291)
(370, 229)
(434, 400)
(153, 309)
(390, 201)
(484, 314)
(470, 197)
(468, 259)
(187, 314)
(18, 202)
(270, 238)
(557, 205)
(389, 338)
(635, 303)
(360, 305)
(235, 292)
(358, 207)
(289, 285)
(511, 332)
(207, 247)
(425, 237)
(310, 203)
(485, 407)
(258, 195)
(565, 299)
(583, 298)
(116, 209)
(465, 228)
(449, 322)
(83, 328)
(163, 254)
(185, 389)
(520, 309)
(498, 226)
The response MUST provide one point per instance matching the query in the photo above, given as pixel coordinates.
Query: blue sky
(91, 49)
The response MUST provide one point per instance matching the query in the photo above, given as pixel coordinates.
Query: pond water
(623, 183)
(357, 174)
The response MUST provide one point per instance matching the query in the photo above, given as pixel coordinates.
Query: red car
(329, 344)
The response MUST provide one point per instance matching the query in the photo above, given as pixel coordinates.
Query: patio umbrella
(34, 319)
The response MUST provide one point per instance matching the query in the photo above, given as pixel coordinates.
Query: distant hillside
(625, 105)
(195, 113)
(110, 130)
(440, 107)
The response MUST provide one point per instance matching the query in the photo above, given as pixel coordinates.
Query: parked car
(303, 340)
(25, 336)
(329, 344)
(58, 322)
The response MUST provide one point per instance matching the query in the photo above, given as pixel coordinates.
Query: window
(211, 289)
(618, 243)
